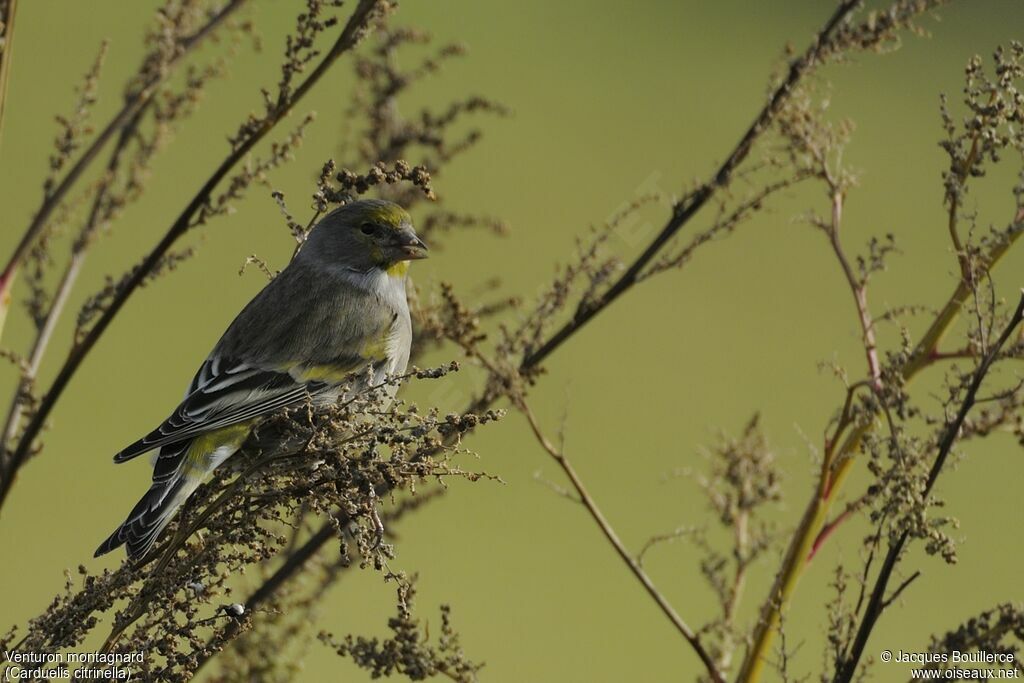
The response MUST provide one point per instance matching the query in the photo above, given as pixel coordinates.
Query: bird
(336, 315)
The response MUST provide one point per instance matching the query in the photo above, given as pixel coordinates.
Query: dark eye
(367, 228)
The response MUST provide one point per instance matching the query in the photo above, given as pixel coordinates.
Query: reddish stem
(827, 530)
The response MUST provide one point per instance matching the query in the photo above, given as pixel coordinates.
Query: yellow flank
(320, 373)
(389, 214)
(375, 350)
(398, 269)
(197, 460)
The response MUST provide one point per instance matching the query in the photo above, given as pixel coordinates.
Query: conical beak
(411, 247)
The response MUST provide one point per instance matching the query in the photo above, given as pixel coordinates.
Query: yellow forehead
(388, 214)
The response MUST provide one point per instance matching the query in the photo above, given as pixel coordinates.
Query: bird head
(363, 235)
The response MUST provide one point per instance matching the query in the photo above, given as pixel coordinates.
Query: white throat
(375, 281)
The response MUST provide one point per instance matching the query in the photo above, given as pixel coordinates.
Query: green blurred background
(611, 99)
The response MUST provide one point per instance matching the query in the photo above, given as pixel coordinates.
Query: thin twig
(613, 538)
(829, 529)
(859, 290)
(952, 197)
(902, 587)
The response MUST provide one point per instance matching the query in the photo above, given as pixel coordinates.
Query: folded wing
(223, 393)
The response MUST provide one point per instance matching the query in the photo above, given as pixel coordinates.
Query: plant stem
(954, 204)
(877, 603)
(126, 114)
(67, 282)
(694, 202)
(817, 510)
(859, 290)
(602, 522)
(295, 562)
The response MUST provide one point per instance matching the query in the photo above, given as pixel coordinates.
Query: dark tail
(148, 518)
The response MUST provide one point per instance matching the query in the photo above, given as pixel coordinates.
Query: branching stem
(689, 206)
(132, 106)
(612, 537)
(878, 601)
(816, 513)
(67, 282)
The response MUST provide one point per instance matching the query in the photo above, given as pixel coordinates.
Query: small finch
(337, 312)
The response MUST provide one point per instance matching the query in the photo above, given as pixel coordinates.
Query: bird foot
(378, 528)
